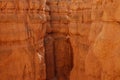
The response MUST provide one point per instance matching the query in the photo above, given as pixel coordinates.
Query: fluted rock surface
(59, 40)
(58, 48)
(79, 28)
(104, 55)
(21, 40)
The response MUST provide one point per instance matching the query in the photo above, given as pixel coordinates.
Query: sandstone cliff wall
(79, 28)
(105, 48)
(21, 40)
(58, 48)
(59, 40)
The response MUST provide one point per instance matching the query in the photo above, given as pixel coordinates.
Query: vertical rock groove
(57, 37)
(59, 40)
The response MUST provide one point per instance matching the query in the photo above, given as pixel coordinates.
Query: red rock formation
(21, 40)
(105, 47)
(80, 37)
(92, 65)
(79, 28)
(59, 55)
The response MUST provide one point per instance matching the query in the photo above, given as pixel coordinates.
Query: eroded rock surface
(59, 40)
(105, 47)
(79, 28)
(21, 40)
(58, 47)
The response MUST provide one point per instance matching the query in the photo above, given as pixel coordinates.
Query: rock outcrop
(59, 40)
(104, 56)
(79, 28)
(21, 40)
(58, 48)
(92, 65)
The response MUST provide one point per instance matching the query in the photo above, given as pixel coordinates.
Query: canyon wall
(22, 40)
(68, 35)
(58, 47)
(105, 49)
(79, 28)
(59, 40)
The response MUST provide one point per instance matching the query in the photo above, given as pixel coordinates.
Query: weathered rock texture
(92, 64)
(79, 27)
(58, 48)
(106, 46)
(21, 40)
(59, 40)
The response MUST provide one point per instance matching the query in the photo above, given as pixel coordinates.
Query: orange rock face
(59, 40)
(103, 57)
(58, 47)
(79, 29)
(21, 40)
